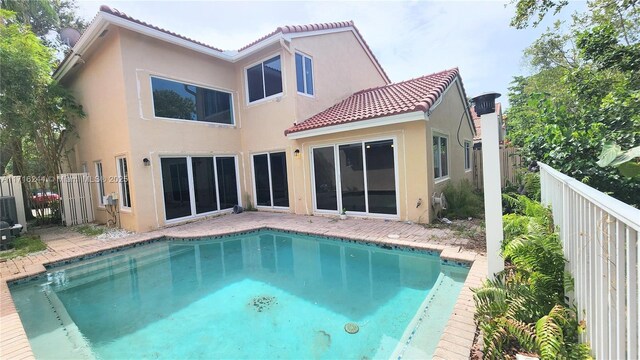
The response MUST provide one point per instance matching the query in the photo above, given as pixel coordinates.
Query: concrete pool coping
(455, 342)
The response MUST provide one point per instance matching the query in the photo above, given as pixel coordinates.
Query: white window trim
(246, 80)
(120, 184)
(304, 78)
(192, 193)
(153, 105)
(253, 178)
(336, 156)
(466, 170)
(99, 182)
(444, 178)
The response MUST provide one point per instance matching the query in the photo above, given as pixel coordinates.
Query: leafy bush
(524, 308)
(462, 200)
(531, 185)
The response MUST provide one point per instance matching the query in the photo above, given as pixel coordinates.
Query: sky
(410, 39)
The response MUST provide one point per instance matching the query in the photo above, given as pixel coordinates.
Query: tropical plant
(462, 201)
(627, 162)
(524, 309)
(584, 92)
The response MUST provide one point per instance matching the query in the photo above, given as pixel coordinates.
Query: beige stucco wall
(340, 67)
(152, 137)
(103, 134)
(411, 160)
(445, 120)
(115, 88)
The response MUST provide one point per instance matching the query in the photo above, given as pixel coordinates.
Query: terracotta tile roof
(120, 14)
(317, 27)
(407, 96)
(476, 121)
(282, 29)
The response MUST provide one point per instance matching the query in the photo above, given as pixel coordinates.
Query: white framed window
(304, 74)
(123, 183)
(467, 155)
(270, 186)
(264, 80)
(440, 157)
(183, 101)
(100, 183)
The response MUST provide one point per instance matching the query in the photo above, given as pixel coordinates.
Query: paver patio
(64, 244)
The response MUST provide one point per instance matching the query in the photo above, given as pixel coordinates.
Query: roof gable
(107, 15)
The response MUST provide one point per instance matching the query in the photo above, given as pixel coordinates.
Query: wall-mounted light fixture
(296, 154)
(146, 162)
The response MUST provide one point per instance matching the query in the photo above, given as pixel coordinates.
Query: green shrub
(531, 184)
(462, 201)
(524, 308)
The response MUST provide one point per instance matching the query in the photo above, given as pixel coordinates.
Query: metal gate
(76, 199)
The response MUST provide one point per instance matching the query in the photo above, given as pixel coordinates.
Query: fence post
(492, 191)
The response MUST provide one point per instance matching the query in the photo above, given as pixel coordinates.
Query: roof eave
(360, 124)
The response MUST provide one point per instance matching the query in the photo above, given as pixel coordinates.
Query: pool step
(104, 267)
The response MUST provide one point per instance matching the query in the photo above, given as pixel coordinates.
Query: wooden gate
(76, 199)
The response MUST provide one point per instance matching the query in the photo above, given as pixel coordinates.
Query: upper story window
(264, 79)
(176, 100)
(304, 74)
(440, 157)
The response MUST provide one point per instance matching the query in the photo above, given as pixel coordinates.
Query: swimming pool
(263, 294)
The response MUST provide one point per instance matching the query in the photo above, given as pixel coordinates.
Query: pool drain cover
(351, 328)
(262, 303)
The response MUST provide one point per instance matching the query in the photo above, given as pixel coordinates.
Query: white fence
(600, 239)
(12, 186)
(75, 199)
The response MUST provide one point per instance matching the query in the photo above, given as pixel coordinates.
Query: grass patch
(24, 245)
(90, 230)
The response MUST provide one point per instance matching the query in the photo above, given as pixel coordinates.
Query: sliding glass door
(198, 185)
(358, 177)
(270, 179)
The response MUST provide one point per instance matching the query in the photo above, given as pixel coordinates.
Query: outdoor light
(296, 153)
(146, 162)
(485, 103)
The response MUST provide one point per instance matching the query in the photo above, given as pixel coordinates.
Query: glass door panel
(352, 177)
(381, 178)
(279, 183)
(175, 183)
(227, 182)
(324, 168)
(204, 184)
(261, 175)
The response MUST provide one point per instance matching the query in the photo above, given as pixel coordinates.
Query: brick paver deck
(64, 244)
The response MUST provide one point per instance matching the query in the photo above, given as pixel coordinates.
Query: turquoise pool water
(264, 294)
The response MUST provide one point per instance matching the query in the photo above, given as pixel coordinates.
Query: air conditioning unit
(8, 210)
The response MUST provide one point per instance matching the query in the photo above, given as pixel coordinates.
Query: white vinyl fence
(12, 186)
(600, 239)
(75, 199)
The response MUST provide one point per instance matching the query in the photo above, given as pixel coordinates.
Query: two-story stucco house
(303, 120)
